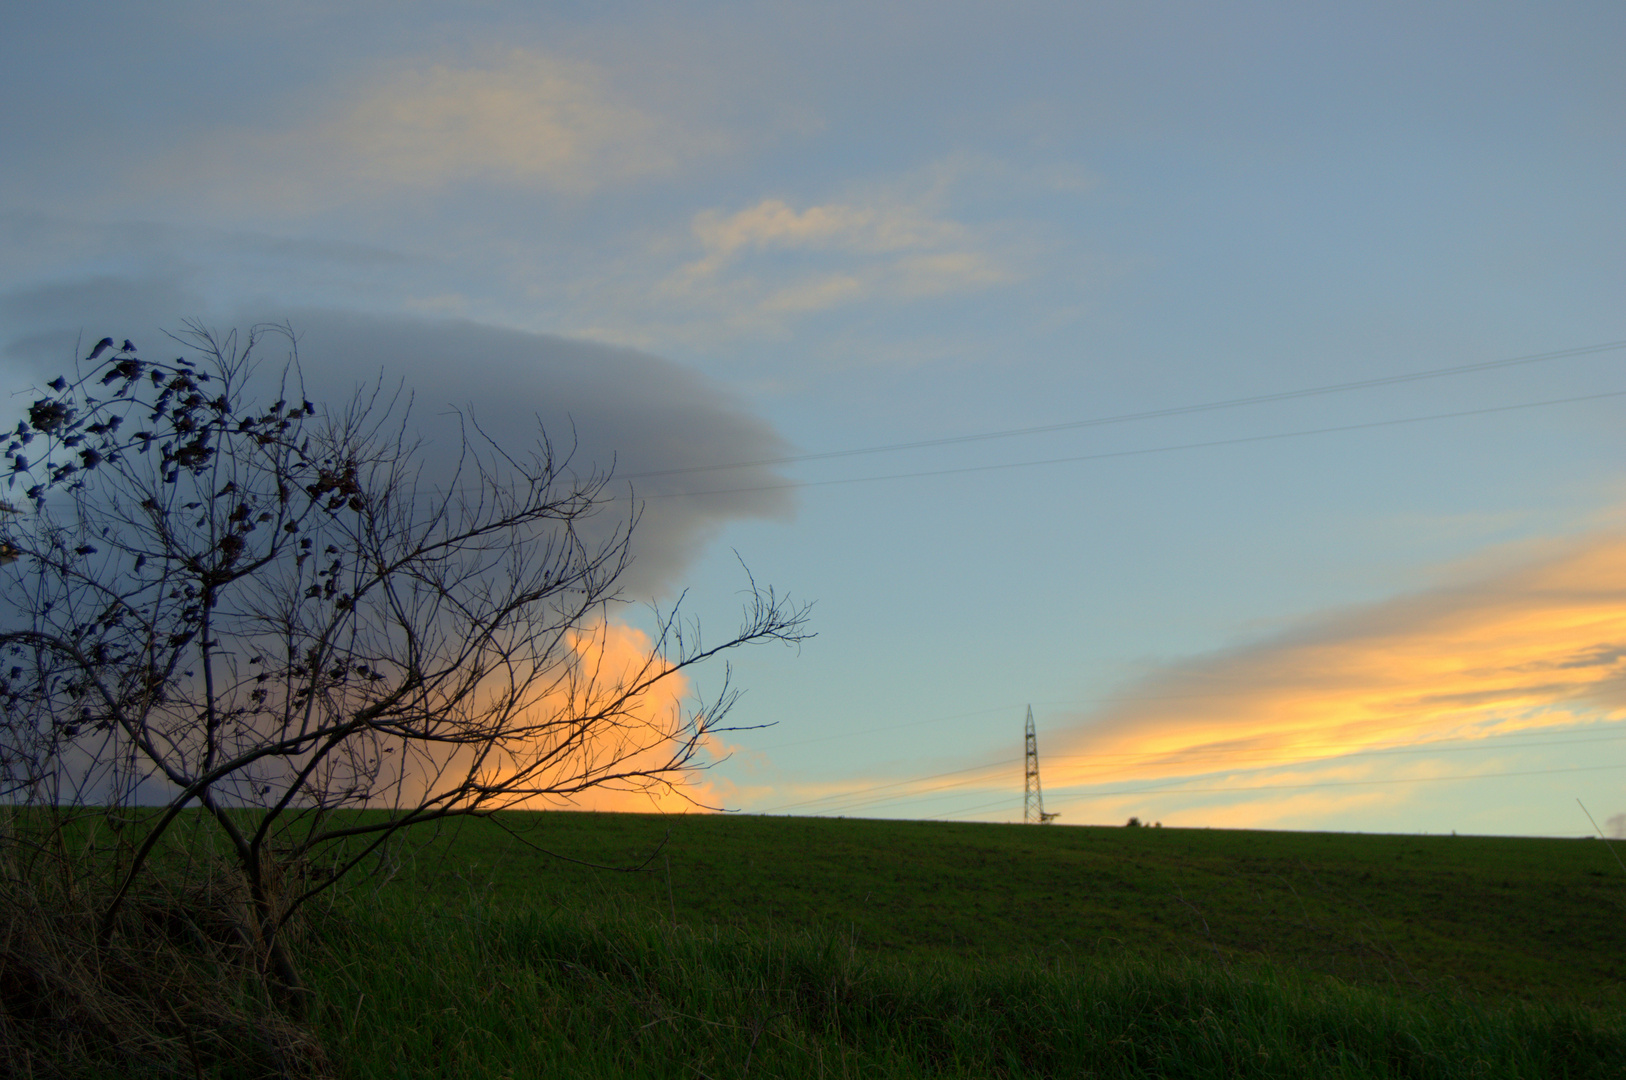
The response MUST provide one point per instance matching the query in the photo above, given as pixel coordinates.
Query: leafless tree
(224, 599)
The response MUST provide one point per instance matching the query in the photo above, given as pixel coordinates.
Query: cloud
(641, 417)
(1533, 645)
(610, 408)
(526, 119)
(773, 260)
(774, 224)
(47, 323)
(1291, 810)
(1352, 714)
(606, 657)
(644, 418)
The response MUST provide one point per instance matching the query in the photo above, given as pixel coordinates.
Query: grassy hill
(1493, 917)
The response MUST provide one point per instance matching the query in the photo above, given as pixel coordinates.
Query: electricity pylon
(1033, 811)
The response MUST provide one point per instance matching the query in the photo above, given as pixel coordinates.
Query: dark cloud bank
(615, 410)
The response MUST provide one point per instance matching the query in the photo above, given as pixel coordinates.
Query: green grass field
(805, 947)
(535, 994)
(798, 947)
(1533, 918)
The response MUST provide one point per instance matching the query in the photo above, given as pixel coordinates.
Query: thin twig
(1601, 836)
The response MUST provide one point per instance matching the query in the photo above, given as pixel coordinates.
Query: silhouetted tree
(223, 596)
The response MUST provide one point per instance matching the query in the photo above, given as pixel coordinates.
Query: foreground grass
(803, 947)
(1539, 919)
(465, 990)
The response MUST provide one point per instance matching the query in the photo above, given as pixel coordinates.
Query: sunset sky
(1239, 385)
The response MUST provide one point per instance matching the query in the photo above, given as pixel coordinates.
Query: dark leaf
(49, 416)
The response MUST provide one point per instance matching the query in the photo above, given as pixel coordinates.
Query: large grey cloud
(613, 408)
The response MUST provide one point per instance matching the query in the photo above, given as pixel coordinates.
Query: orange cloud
(1533, 645)
(620, 755)
(615, 654)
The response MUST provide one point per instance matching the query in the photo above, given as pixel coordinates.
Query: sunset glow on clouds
(1343, 714)
(1029, 341)
(614, 653)
(620, 739)
(1537, 646)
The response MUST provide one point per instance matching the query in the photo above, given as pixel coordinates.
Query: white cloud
(773, 223)
(526, 120)
(772, 260)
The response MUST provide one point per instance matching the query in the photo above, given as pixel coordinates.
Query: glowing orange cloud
(1537, 644)
(626, 736)
(615, 653)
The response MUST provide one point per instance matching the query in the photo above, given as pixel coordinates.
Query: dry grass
(172, 989)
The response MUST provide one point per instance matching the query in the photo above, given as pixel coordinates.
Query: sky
(1239, 386)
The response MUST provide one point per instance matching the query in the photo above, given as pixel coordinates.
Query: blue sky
(721, 233)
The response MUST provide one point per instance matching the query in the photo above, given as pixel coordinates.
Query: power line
(1110, 699)
(858, 798)
(1150, 414)
(1346, 783)
(838, 796)
(882, 800)
(891, 727)
(1105, 455)
(1010, 800)
(1418, 748)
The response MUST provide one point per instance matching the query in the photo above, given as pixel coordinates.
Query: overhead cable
(1150, 414)
(1105, 455)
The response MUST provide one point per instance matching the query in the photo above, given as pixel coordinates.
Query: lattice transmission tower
(1033, 811)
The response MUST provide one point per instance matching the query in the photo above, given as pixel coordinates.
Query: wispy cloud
(526, 120)
(773, 223)
(772, 261)
(1518, 663)
(1538, 644)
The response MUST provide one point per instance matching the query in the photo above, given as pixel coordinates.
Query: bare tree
(225, 598)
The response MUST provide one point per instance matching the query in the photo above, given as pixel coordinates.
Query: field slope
(1539, 919)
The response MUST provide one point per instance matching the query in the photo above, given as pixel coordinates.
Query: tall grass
(168, 988)
(463, 975)
(526, 992)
